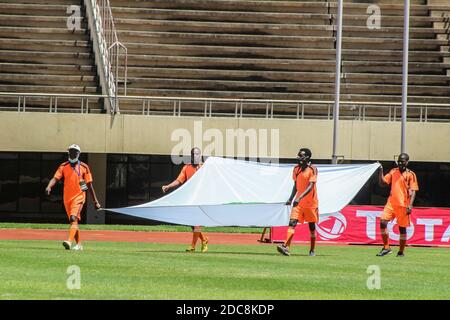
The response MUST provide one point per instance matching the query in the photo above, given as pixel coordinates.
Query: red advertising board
(360, 225)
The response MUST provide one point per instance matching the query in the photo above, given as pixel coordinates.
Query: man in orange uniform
(77, 180)
(306, 205)
(186, 173)
(399, 205)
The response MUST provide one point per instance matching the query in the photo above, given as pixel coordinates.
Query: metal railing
(290, 109)
(49, 102)
(113, 52)
(217, 107)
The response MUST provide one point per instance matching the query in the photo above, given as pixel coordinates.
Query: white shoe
(67, 244)
(78, 247)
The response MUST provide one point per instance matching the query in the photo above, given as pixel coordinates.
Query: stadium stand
(266, 67)
(280, 50)
(39, 54)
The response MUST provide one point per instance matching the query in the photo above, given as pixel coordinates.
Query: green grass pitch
(110, 270)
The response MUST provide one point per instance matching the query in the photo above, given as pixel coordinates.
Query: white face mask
(75, 160)
(72, 161)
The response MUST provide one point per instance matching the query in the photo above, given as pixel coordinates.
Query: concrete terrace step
(43, 2)
(226, 39)
(222, 27)
(268, 29)
(391, 32)
(37, 21)
(393, 56)
(278, 64)
(394, 67)
(34, 9)
(387, 9)
(44, 79)
(43, 33)
(138, 74)
(231, 63)
(48, 89)
(392, 44)
(46, 57)
(249, 6)
(286, 53)
(134, 40)
(318, 77)
(413, 79)
(299, 87)
(45, 45)
(279, 96)
(267, 17)
(228, 94)
(47, 69)
(272, 6)
(222, 16)
(391, 21)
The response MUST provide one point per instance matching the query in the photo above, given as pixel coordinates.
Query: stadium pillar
(337, 88)
(405, 75)
(97, 163)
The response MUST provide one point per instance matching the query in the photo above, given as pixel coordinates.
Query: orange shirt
(302, 180)
(187, 172)
(72, 177)
(401, 184)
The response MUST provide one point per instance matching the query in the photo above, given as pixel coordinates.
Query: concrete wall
(95, 133)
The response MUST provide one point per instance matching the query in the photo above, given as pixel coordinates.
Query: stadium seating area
(39, 54)
(281, 50)
(233, 49)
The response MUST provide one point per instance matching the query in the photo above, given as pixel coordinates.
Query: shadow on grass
(232, 253)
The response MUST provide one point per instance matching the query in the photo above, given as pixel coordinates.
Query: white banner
(227, 192)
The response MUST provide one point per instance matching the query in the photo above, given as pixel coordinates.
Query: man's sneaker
(67, 245)
(190, 249)
(283, 250)
(205, 245)
(384, 252)
(312, 254)
(400, 254)
(78, 247)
